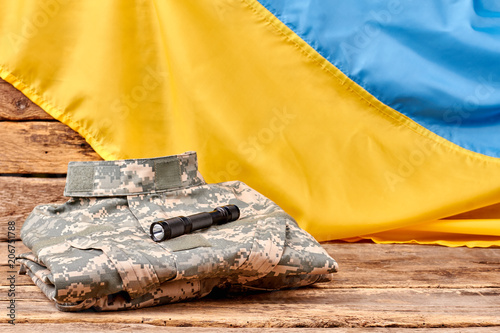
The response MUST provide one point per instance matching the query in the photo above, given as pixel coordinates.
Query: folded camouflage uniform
(95, 251)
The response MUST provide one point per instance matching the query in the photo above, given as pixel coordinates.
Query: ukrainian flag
(371, 119)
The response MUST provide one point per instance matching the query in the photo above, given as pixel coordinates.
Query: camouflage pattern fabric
(94, 251)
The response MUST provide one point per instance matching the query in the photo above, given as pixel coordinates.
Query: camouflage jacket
(95, 251)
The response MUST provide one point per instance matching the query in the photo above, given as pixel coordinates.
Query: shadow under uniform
(95, 251)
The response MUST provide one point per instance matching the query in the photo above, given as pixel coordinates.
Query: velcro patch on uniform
(167, 174)
(80, 179)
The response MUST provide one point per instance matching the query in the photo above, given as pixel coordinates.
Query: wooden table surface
(379, 288)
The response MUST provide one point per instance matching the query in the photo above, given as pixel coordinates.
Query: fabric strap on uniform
(185, 242)
(134, 176)
(61, 239)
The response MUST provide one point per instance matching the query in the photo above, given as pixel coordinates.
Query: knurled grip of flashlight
(180, 225)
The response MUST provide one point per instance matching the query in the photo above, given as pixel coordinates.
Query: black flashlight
(180, 225)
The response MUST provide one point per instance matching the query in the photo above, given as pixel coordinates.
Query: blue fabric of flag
(437, 62)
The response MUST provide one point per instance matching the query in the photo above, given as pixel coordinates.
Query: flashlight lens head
(234, 212)
(157, 232)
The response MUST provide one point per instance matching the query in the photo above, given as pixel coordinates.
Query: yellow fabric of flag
(229, 80)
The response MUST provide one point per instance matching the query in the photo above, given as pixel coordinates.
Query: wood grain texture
(304, 307)
(21, 280)
(19, 195)
(40, 147)
(414, 266)
(105, 327)
(20, 248)
(15, 106)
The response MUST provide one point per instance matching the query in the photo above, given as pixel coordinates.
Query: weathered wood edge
(20, 195)
(40, 147)
(15, 106)
(118, 327)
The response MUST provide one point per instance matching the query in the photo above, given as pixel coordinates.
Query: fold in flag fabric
(362, 119)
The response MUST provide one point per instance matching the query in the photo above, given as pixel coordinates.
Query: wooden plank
(15, 106)
(406, 265)
(105, 327)
(19, 247)
(21, 280)
(40, 147)
(304, 307)
(398, 266)
(19, 195)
